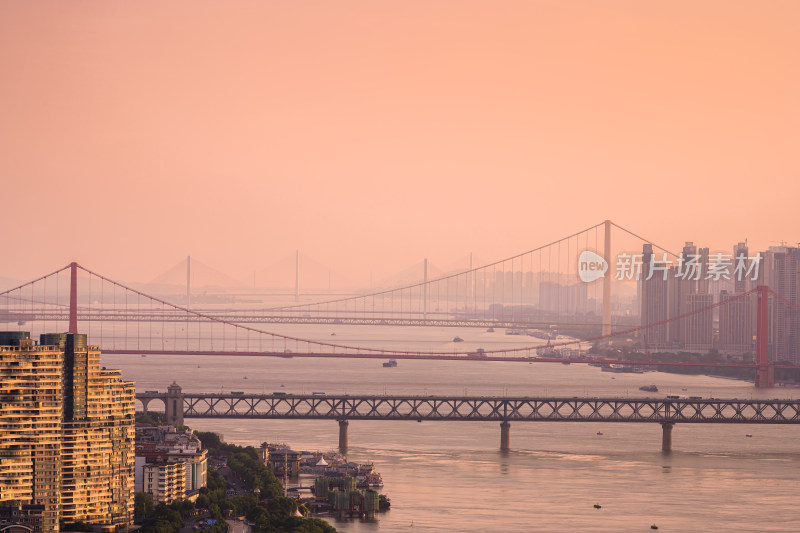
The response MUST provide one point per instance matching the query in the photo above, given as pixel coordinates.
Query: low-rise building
(28, 516)
(163, 444)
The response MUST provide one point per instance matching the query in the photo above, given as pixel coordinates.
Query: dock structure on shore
(345, 499)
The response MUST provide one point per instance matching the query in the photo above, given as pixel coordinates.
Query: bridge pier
(145, 403)
(343, 435)
(505, 435)
(666, 436)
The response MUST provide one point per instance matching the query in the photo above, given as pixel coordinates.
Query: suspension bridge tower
(606, 330)
(73, 298)
(765, 371)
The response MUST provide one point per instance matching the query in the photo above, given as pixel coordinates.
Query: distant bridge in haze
(121, 319)
(242, 317)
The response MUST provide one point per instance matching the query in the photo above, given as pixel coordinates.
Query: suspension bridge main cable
(527, 349)
(60, 270)
(643, 239)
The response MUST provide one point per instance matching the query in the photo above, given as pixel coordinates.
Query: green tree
(209, 440)
(142, 506)
(249, 467)
(282, 506)
(163, 519)
(153, 418)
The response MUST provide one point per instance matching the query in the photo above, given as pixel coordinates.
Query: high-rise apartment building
(737, 318)
(736, 323)
(67, 431)
(655, 301)
(675, 298)
(782, 275)
(31, 412)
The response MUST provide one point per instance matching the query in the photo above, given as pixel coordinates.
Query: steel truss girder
(486, 409)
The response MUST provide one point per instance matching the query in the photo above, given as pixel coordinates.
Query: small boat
(653, 526)
(490, 330)
(245, 377)
(649, 388)
(598, 506)
(390, 363)
(480, 352)
(748, 435)
(458, 339)
(143, 355)
(599, 432)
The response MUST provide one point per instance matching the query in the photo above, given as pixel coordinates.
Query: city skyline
(390, 133)
(317, 276)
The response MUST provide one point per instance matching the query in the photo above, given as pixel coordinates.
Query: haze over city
(371, 135)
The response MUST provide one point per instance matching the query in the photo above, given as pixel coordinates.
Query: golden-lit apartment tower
(97, 448)
(30, 426)
(88, 416)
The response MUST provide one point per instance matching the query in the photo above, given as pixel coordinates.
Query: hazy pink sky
(372, 134)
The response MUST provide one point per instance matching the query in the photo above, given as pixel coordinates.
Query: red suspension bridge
(537, 289)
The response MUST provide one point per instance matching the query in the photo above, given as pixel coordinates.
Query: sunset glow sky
(372, 134)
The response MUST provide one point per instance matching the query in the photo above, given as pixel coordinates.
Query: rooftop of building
(167, 441)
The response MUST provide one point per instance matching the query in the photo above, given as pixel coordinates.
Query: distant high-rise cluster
(681, 309)
(782, 275)
(668, 294)
(66, 434)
